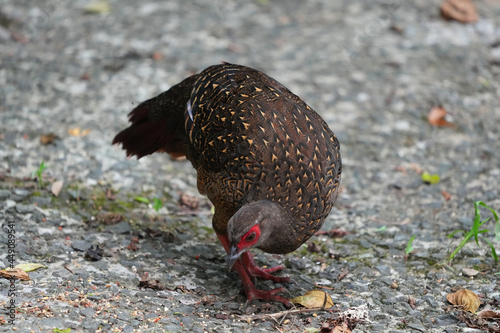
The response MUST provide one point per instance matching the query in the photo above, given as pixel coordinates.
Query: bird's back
(252, 139)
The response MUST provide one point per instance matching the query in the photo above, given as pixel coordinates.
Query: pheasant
(269, 163)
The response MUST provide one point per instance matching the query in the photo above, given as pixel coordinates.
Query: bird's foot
(247, 269)
(255, 271)
(267, 295)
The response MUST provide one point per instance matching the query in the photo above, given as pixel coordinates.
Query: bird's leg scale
(255, 271)
(251, 291)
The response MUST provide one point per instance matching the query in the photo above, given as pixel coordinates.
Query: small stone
(297, 263)
(119, 228)
(41, 201)
(417, 327)
(87, 312)
(80, 245)
(394, 285)
(128, 329)
(21, 192)
(474, 262)
(470, 272)
(4, 194)
(383, 269)
(24, 209)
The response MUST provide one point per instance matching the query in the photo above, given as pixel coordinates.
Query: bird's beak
(233, 255)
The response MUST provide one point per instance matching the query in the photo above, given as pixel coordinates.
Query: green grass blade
(142, 199)
(477, 222)
(464, 241)
(495, 215)
(454, 232)
(409, 246)
(493, 252)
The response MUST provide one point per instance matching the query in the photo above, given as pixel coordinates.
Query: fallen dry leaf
(314, 248)
(109, 194)
(343, 328)
(47, 139)
(412, 302)
(56, 187)
(460, 10)
(157, 56)
(436, 117)
(109, 218)
(133, 244)
(466, 299)
(14, 273)
(489, 314)
(78, 132)
(342, 275)
(446, 195)
(147, 282)
(98, 7)
(334, 233)
(314, 299)
(30, 267)
(189, 201)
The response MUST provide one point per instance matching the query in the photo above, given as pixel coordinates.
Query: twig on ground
(275, 316)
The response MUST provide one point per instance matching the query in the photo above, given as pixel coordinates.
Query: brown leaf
(313, 248)
(221, 316)
(147, 282)
(314, 299)
(14, 273)
(412, 302)
(109, 218)
(342, 275)
(133, 244)
(157, 56)
(489, 314)
(465, 298)
(56, 187)
(334, 233)
(343, 328)
(436, 117)
(189, 201)
(460, 10)
(109, 194)
(325, 328)
(446, 195)
(47, 139)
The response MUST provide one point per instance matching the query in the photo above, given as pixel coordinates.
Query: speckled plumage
(250, 139)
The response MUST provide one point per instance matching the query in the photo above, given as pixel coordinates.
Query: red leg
(255, 271)
(251, 291)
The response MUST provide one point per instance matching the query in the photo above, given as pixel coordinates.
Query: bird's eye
(250, 237)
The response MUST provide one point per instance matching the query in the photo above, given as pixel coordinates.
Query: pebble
(80, 245)
(4, 194)
(119, 228)
(24, 209)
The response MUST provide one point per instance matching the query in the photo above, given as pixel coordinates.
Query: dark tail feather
(158, 123)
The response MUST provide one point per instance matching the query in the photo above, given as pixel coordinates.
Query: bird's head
(254, 225)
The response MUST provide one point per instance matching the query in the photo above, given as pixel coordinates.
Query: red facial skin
(248, 239)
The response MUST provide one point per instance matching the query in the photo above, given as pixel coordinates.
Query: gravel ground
(372, 69)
